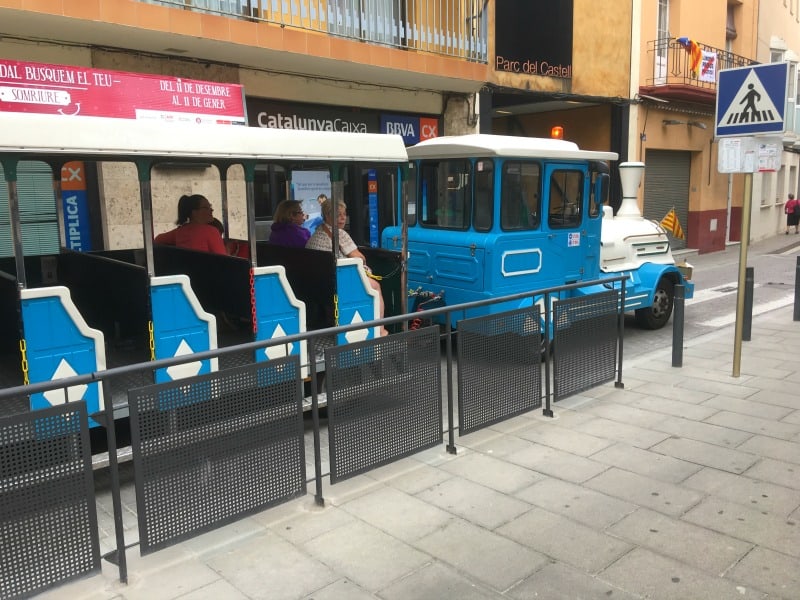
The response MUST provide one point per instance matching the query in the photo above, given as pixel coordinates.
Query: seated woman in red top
(194, 230)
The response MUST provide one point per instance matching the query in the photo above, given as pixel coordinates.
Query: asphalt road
(716, 275)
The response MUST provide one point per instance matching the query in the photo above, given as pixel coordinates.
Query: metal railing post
(677, 326)
(113, 471)
(448, 332)
(747, 314)
(797, 290)
(548, 410)
(620, 334)
(312, 363)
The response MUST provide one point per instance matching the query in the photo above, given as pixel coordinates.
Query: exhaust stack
(630, 174)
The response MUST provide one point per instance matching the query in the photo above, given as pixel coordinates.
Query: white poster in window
(306, 187)
(708, 67)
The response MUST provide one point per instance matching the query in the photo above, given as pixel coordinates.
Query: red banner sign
(59, 89)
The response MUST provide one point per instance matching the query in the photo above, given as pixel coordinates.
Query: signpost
(751, 105)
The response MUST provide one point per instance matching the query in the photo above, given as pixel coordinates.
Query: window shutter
(37, 208)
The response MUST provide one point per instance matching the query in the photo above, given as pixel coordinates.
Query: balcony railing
(455, 28)
(671, 66)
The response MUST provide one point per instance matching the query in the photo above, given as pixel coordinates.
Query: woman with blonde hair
(323, 240)
(287, 226)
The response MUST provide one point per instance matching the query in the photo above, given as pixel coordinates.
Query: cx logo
(428, 128)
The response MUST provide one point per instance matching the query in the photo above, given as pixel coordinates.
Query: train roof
(100, 138)
(485, 145)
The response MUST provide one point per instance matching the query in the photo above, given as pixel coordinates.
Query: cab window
(520, 202)
(484, 195)
(565, 199)
(444, 194)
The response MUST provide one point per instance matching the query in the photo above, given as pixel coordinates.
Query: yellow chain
(336, 309)
(152, 341)
(23, 350)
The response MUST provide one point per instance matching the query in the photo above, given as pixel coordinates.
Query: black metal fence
(48, 515)
(210, 449)
(671, 64)
(216, 448)
(499, 374)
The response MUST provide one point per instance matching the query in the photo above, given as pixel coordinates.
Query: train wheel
(657, 315)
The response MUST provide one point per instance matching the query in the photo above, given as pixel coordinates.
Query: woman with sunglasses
(287, 225)
(195, 230)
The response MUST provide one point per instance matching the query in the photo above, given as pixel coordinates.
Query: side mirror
(600, 192)
(603, 187)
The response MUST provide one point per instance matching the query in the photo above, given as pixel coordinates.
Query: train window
(37, 209)
(483, 202)
(270, 189)
(444, 194)
(520, 203)
(565, 199)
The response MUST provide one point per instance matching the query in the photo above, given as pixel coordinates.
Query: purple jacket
(289, 234)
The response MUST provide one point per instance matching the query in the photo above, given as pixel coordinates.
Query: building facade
(777, 41)
(560, 64)
(684, 46)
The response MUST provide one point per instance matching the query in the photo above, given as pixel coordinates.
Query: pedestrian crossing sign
(751, 100)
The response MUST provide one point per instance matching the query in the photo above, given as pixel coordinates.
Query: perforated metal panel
(15, 404)
(384, 400)
(585, 342)
(48, 518)
(499, 367)
(210, 449)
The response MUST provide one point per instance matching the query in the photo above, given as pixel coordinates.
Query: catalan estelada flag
(695, 54)
(670, 223)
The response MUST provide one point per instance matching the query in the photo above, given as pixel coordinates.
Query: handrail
(671, 64)
(163, 363)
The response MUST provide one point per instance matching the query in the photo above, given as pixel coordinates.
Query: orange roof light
(557, 133)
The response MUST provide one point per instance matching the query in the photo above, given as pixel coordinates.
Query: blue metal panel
(567, 246)
(278, 313)
(60, 344)
(356, 304)
(180, 327)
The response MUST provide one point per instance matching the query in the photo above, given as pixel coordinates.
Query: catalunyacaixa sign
(73, 90)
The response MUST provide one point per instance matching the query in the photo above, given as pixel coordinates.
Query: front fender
(641, 285)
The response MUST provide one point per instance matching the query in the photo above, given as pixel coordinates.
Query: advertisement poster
(76, 209)
(306, 188)
(27, 87)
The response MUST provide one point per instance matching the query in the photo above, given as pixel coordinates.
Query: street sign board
(749, 154)
(751, 100)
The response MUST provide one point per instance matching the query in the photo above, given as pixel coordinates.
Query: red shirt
(194, 236)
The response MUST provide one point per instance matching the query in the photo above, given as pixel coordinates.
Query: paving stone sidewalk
(684, 484)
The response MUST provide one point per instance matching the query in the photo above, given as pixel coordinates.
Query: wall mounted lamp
(698, 124)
